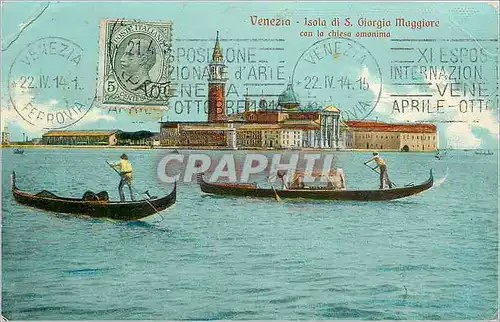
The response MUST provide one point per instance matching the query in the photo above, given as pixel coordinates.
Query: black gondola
(97, 208)
(251, 190)
(484, 152)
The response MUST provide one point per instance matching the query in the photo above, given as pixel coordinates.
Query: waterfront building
(328, 135)
(271, 138)
(138, 138)
(216, 85)
(88, 137)
(321, 128)
(197, 134)
(249, 135)
(5, 136)
(282, 138)
(373, 135)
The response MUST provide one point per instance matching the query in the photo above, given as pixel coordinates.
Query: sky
(262, 59)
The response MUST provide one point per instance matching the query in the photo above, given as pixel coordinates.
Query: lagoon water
(430, 256)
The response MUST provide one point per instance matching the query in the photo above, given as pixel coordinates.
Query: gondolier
(383, 169)
(126, 176)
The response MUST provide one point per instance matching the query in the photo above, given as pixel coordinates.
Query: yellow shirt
(379, 161)
(125, 168)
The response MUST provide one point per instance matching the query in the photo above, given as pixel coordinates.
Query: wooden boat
(484, 152)
(116, 210)
(251, 190)
(19, 151)
(440, 154)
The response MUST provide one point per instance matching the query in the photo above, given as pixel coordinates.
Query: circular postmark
(341, 72)
(47, 83)
(137, 63)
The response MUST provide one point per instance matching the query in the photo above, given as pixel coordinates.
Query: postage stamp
(134, 63)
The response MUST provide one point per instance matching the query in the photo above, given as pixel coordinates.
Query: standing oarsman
(383, 169)
(126, 175)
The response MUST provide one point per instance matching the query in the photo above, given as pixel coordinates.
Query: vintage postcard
(237, 160)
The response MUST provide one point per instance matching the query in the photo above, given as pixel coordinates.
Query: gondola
(484, 152)
(251, 190)
(115, 210)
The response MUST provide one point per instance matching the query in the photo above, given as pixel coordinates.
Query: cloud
(459, 134)
(14, 121)
(96, 114)
(15, 124)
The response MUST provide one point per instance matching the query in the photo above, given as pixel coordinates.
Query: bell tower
(216, 85)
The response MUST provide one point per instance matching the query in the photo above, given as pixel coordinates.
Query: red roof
(372, 126)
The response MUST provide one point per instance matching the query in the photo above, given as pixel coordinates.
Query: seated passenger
(336, 180)
(297, 181)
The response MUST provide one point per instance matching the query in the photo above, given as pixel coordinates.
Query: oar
(392, 183)
(111, 166)
(276, 196)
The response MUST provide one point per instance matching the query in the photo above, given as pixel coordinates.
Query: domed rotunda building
(288, 100)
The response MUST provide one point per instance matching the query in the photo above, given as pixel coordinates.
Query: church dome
(288, 99)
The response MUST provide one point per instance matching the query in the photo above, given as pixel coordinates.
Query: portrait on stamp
(137, 57)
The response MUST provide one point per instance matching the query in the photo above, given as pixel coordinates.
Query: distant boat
(18, 151)
(440, 155)
(484, 152)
